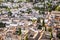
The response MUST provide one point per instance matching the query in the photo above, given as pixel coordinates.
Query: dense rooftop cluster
(30, 20)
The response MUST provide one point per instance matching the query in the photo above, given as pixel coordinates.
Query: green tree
(38, 20)
(33, 20)
(58, 35)
(2, 25)
(26, 38)
(1, 1)
(39, 26)
(43, 24)
(54, 7)
(50, 29)
(19, 31)
(3, 7)
(41, 0)
(8, 9)
(41, 12)
(9, 13)
(51, 35)
(28, 0)
(36, 8)
(49, 6)
(49, 9)
(58, 8)
(29, 11)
